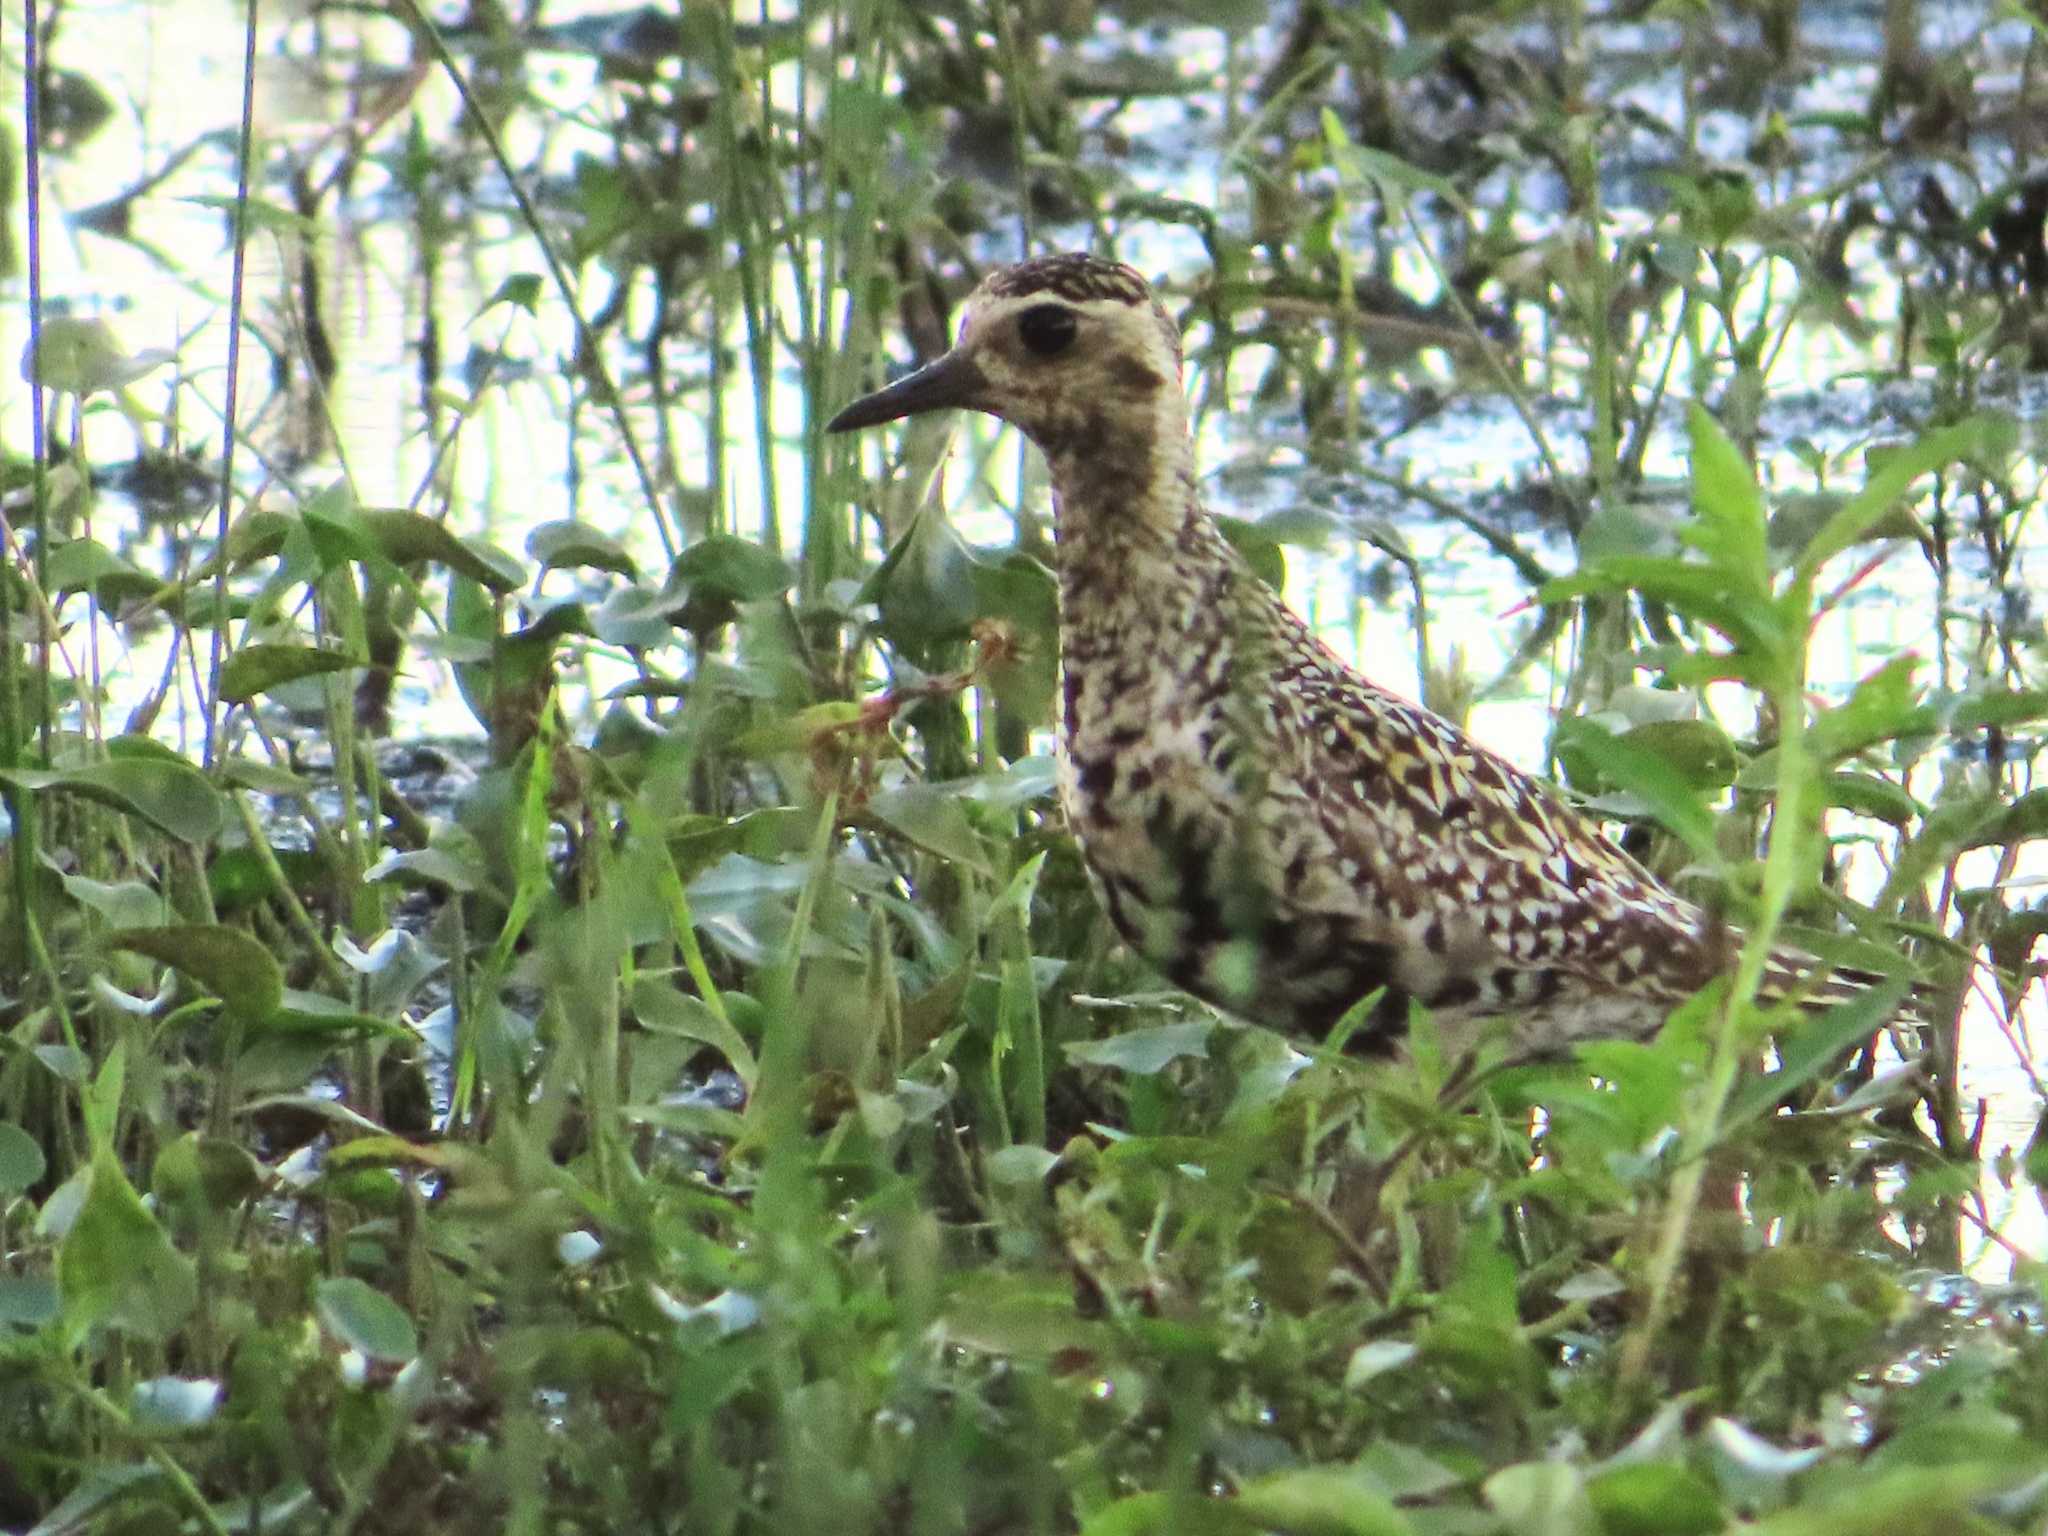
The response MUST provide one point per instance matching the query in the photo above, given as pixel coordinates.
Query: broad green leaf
(405, 537)
(1808, 1049)
(171, 796)
(925, 587)
(1145, 1514)
(932, 817)
(1260, 549)
(1013, 1314)
(1750, 620)
(365, 1319)
(27, 1301)
(1376, 1359)
(82, 355)
(1699, 752)
(123, 903)
(256, 668)
(661, 1006)
(264, 778)
(457, 866)
(1320, 1501)
(1542, 1498)
(1023, 671)
(1622, 529)
(569, 543)
(256, 214)
(739, 570)
(315, 1013)
(1867, 795)
(521, 290)
(2024, 820)
(21, 1159)
(1021, 1164)
(689, 1119)
(79, 565)
(1647, 774)
(209, 1172)
(233, 965)
(116, 1267)
(1144, 1051)
(1655, 1498)
(103, 1488)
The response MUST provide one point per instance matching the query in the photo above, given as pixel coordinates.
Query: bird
(1274, 832)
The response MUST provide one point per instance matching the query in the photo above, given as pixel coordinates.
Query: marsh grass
(729, 1113)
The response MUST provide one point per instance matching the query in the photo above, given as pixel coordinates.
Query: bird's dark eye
(1047, 329)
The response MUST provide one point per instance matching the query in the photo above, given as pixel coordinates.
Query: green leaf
(79, 565)
(405, 537)
(1257, 544)
(365, 1319)
(27, 1301)
(1620, 529)
(1141, 1514)
(81, 356)
(1698, 752)
(259, 215)
(662, 1008)
(1731, 529)
(1880, 709)
(1749, 619)
(521, 290)
(2025, 820)
(932, 817)
(21, 1159)
(1319, 1501)
(234, 966)
(103, 1488)
(571, 543)
(1392, 177)
(207, 1172)
(171, 796)
(1020, 1165)
(925, 589)
(1144, 1052)
(1647, 774)
(737, 569)
(116, 1268)
(1021, 592)
(315, 1013)
(123, 903)
(1981, 435)
(1867, 795)
(1813, 1047)
(1655, 1498)
(255, 669)
(1542, 1498)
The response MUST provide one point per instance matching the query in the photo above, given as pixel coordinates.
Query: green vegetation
(728, 1112)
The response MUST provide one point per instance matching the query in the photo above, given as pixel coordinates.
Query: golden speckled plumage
(1277, 834)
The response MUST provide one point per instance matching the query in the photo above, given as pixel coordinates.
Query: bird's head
(1072, 350)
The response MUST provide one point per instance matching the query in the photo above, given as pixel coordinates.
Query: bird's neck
(1127, 514)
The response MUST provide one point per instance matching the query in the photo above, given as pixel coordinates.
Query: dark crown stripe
(1072, 276)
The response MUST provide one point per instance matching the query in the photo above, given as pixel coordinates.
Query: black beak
(950, 382)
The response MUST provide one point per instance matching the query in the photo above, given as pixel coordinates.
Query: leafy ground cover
(711, 1101)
